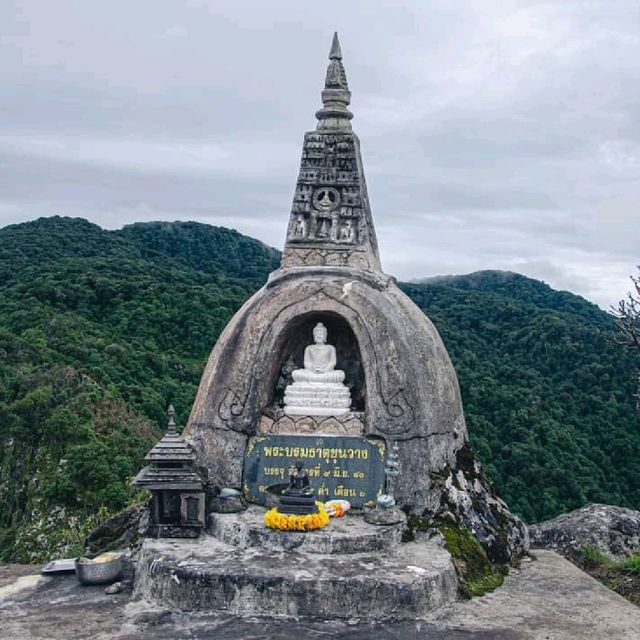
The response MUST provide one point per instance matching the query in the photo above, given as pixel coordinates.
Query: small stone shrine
(177, 497)
(329, 368)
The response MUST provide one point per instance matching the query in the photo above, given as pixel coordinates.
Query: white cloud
(496, 134)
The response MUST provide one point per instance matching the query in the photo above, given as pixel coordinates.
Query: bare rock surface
(613, 530)
(122, 530)
(547, 599)
(468, 497)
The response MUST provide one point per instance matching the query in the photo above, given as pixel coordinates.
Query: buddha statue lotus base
(318, 389)
(313, 399)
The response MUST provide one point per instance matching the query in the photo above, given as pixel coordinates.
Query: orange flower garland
(284, 522)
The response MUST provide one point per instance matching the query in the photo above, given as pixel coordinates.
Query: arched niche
(298, 334)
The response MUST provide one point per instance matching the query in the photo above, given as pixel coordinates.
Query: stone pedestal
(348, 570)
(315, 399)
(297, 504)
(342, 536)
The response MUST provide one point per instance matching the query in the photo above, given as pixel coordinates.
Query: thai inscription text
(352, 469)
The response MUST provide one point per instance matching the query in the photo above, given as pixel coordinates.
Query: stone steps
(404, 582)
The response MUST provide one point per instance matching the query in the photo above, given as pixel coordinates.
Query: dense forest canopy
(100, 330)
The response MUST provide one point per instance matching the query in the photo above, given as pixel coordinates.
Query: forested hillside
(100, 330)
(549, 400)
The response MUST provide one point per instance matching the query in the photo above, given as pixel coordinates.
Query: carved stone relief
(319, 257)
(231, 406)
(348, 424)
(326, 199)
(328, 203)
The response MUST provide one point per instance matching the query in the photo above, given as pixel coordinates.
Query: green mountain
(549, 400)
(100, 330)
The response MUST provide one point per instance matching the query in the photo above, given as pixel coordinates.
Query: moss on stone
(471, 588)
(416, 523)
(476, 574)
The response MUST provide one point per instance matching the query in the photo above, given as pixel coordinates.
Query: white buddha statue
(318, 389)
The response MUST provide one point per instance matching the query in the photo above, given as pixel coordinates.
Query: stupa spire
(330, 223)
(336, 52)
(171, 426)
(336, 95)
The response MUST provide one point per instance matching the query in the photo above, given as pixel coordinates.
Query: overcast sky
(495, 134)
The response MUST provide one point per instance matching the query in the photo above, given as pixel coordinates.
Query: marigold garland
(290, 522)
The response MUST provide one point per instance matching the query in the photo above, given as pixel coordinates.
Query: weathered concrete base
(545, 599)
(209, 575)
(385, 517)
(343, 535)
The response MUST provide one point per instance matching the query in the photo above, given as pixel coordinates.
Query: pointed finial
(336, 95)
(336, 52)
(171, 412)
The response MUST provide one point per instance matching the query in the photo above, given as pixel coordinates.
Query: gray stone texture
(547, 599)
(412, 392)
(125, 529)
(232, 504)
(613, 530)
(384, 517)
(406, 582)
(468, 498)
(274, 421)
(343, 535)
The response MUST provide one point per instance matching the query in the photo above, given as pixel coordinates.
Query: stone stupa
(379, 378)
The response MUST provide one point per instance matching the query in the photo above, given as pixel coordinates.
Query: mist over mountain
(100, 330)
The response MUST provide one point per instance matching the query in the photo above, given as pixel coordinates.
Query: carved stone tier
(277, 423)
(313, 399)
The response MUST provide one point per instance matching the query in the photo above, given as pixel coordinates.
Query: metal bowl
(91, 572)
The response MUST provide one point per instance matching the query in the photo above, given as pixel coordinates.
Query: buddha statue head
(320, 333)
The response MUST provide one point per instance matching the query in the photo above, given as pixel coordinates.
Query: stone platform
(209, 575)
(547, 598)
(342, 536)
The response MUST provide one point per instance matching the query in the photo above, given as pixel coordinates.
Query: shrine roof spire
(336, 95)
(330, 223)
(336, 52)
